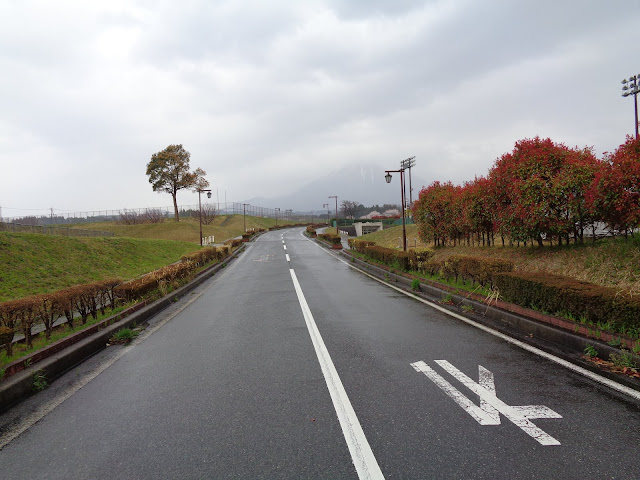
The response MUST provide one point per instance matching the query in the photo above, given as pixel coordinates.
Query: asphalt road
(291, 364)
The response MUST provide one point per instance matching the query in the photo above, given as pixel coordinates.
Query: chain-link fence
(222, 208)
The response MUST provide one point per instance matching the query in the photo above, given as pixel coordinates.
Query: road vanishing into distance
(289, 363)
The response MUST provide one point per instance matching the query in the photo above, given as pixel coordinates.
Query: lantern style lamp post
(387, 177)
(244, 216)
(200, 190)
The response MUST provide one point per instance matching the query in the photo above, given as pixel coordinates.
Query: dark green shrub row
(554, 293)
(475, 269)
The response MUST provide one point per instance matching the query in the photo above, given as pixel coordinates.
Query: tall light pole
(632, 87)
(406, 165)
(387, 177)
(336, 197)
(277, 210)
(200, 190)
(244, 216)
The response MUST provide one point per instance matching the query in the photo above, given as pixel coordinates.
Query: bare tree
(349, 209)
(209, 213)
(154, 215)
(130, 217)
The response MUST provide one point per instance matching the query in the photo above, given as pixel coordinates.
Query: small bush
(553, 293)
(124, 336)
(415, 285)
(418, 258)
(39, 381)
(331, 238)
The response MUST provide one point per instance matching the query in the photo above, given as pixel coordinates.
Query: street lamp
(277, 210)
(632, 87)
(336, 197)
(244, 216)
(200, 190)
(387, 177)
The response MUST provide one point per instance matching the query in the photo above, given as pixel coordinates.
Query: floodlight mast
(632, 87)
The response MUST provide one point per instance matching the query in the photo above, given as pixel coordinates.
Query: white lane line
(287, 255)
(282, 241)
(525, 346)
(361, 453)
(284, 246)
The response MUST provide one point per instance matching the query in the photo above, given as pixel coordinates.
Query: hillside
(33, 263)
(610, 262)
(186, 230)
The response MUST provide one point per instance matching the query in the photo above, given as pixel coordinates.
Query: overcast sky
(268, 95)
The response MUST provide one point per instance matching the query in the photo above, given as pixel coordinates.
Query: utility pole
(336, 197)
(406, 165)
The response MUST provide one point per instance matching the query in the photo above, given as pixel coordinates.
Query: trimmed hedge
(555, 293)
(205, 255)
(331, 238)
(389, 256)
(358, 245)
(475, 269)
(419, 258)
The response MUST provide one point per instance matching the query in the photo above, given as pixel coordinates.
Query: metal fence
(52, 230)
(222, 208)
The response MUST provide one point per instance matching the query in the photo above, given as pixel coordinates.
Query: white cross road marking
(488, 413)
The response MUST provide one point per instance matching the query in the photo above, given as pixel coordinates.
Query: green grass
(33, 263)
(186, 230)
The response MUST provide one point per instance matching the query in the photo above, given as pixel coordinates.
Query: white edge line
(363, 459)
(525, 346)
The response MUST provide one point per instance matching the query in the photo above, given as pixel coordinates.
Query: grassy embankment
(31, 263)
(610, 262)
(223, 227)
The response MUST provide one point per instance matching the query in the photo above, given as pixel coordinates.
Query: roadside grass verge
(611, 262)
(459, 286)
(31, 264)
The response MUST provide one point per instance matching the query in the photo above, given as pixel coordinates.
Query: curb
(19, 386)
(549, 338)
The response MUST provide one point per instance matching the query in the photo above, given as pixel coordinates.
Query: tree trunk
(540, 244)
(175, 206)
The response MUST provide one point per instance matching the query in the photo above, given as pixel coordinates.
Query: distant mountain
(364, 184)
